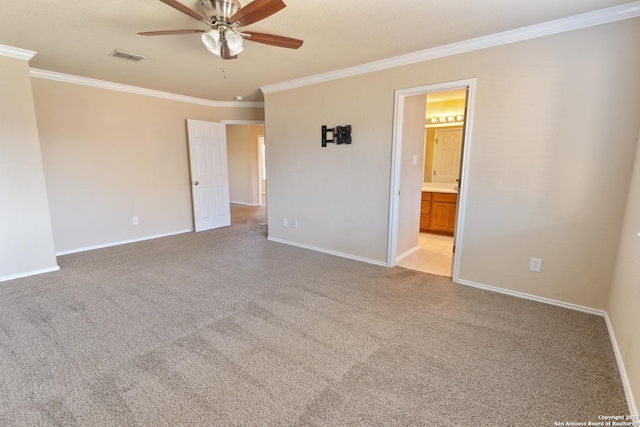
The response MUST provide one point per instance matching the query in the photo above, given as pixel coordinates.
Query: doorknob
(195, 183)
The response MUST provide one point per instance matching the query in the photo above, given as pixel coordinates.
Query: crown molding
(14, 52)
(589, 19)
(101, 84)
(242, 122)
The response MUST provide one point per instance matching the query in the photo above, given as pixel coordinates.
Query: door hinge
(454, 249)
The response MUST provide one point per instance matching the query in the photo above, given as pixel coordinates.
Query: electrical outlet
(284, 222)
(135, 220)
(294, 223)
(536, 264)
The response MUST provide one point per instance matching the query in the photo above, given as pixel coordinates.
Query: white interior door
(209, 174)
(446, 155)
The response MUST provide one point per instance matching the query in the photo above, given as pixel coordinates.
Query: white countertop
(439, 188)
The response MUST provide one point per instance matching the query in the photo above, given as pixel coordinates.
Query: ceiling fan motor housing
(220, 10)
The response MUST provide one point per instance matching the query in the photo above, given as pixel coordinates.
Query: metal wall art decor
(338, 135)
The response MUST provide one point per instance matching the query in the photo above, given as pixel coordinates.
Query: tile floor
(434, 255)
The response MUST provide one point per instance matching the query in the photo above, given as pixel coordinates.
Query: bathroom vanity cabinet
(438, 212)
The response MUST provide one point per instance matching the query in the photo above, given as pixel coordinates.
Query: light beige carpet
(226, 328)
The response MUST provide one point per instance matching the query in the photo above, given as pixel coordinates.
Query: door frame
(396, 157)
(261, 169)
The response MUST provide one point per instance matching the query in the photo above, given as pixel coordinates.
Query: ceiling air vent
(127, 55)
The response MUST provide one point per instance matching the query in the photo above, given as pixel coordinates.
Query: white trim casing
(326, 251)
(245, 204)
(394, 187)
(407, 253)
(563, 304)
(626, 385)
(121, 242)
(396, 152)
(101, 84)
(29, 273)
(589, 19)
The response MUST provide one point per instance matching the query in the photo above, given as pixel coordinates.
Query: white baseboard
(327, 251)
(626, 385)
(633, 410)
(122, 242)
(29, 273)
(407, 253)
(245, 204)
(577, 307)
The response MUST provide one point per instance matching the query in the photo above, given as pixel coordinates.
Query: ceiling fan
(224, 16)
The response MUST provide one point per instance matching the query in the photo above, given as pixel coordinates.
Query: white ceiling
(76, 36)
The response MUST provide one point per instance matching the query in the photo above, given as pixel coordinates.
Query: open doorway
(262, 170)
(443, 134)
(245, 163)
(439, 189)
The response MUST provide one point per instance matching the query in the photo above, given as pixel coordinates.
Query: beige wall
(340, 193)
(242, 154)
(109, 156)
(411, 175)
(623, 309)
(548, 173)
(26, 240)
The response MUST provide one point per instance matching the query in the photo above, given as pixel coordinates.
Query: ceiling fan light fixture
(223, 16)
(234, 41)
(211, 40)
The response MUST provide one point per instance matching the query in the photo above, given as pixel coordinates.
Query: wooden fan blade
(274, 40)
(256, 11)
(187, 10)
(170, 32)
(224, 52)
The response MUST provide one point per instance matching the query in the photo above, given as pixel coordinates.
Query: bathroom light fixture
(445, 119)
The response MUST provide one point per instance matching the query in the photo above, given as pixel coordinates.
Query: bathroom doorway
(440, 188)
(443, 133)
